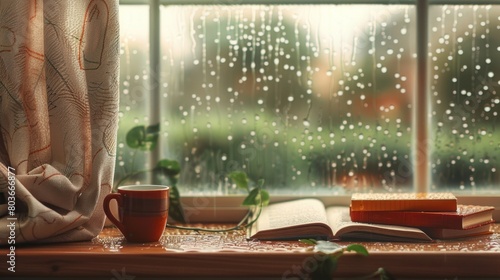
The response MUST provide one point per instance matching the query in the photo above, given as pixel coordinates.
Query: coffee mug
(142, 211)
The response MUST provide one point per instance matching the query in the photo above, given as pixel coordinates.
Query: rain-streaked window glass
(314, 99)
(465, 79)
(310, 98)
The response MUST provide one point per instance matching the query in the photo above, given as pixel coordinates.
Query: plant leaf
(252, 198)
(308, 241)
(142, 138)
(135, 136)
(264, 197)
(360, 249)
(240, 179)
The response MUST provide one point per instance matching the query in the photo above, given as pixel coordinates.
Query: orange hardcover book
(466, 216)
(446, 233)
(403, 202)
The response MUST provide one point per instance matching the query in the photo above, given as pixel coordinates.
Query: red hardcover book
(466, 216)
(403, 202)
(447, 233)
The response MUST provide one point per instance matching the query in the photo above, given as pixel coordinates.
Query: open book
(308, 218)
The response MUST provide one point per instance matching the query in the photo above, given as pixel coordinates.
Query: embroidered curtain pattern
(59, 63)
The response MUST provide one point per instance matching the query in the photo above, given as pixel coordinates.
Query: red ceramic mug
(142, 210)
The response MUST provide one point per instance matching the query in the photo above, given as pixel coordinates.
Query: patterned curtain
(59, 63)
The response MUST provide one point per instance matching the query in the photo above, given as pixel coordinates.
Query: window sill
(229, 209)
(185, 254)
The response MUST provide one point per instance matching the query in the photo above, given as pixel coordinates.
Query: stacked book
(437, 214)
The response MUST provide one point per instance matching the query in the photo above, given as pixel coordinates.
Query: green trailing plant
(257, 195)
(145, 138)
(171, 170)
(332, 252)
(257, 198)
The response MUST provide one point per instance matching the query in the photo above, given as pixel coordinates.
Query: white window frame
(228, 208)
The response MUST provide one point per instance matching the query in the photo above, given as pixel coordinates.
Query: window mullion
(154, 73)
(421, 145)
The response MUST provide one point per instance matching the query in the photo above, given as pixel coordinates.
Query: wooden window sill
(182, 254)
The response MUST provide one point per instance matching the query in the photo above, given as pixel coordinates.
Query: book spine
(404, 205)
(411, 219)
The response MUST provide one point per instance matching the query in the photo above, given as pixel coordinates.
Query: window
(314, 98)
(464, 83)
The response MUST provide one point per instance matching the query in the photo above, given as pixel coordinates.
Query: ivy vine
(145, 138)
(257, 198)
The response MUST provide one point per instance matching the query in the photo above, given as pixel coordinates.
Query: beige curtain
(59, 63)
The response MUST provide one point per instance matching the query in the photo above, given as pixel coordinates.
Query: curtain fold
(59, 70)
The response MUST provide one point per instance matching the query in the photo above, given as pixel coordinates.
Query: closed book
(446, 233)
(466, 216)
(403, 202)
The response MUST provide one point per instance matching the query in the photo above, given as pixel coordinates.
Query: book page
(340, 221)
(292, 213)
(338, 218)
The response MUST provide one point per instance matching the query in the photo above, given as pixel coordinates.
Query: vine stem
(126, 177)
(239, 226)
(380, 271)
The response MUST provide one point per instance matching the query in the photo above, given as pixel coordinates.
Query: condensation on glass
(464, 83)
(310, 98)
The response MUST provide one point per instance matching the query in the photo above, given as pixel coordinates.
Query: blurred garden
(314, 98)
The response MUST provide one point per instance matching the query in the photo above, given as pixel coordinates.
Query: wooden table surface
(229, 255)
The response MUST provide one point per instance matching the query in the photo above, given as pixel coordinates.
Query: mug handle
(108, 213)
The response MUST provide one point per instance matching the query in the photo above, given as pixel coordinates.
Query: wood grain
(478, 257)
